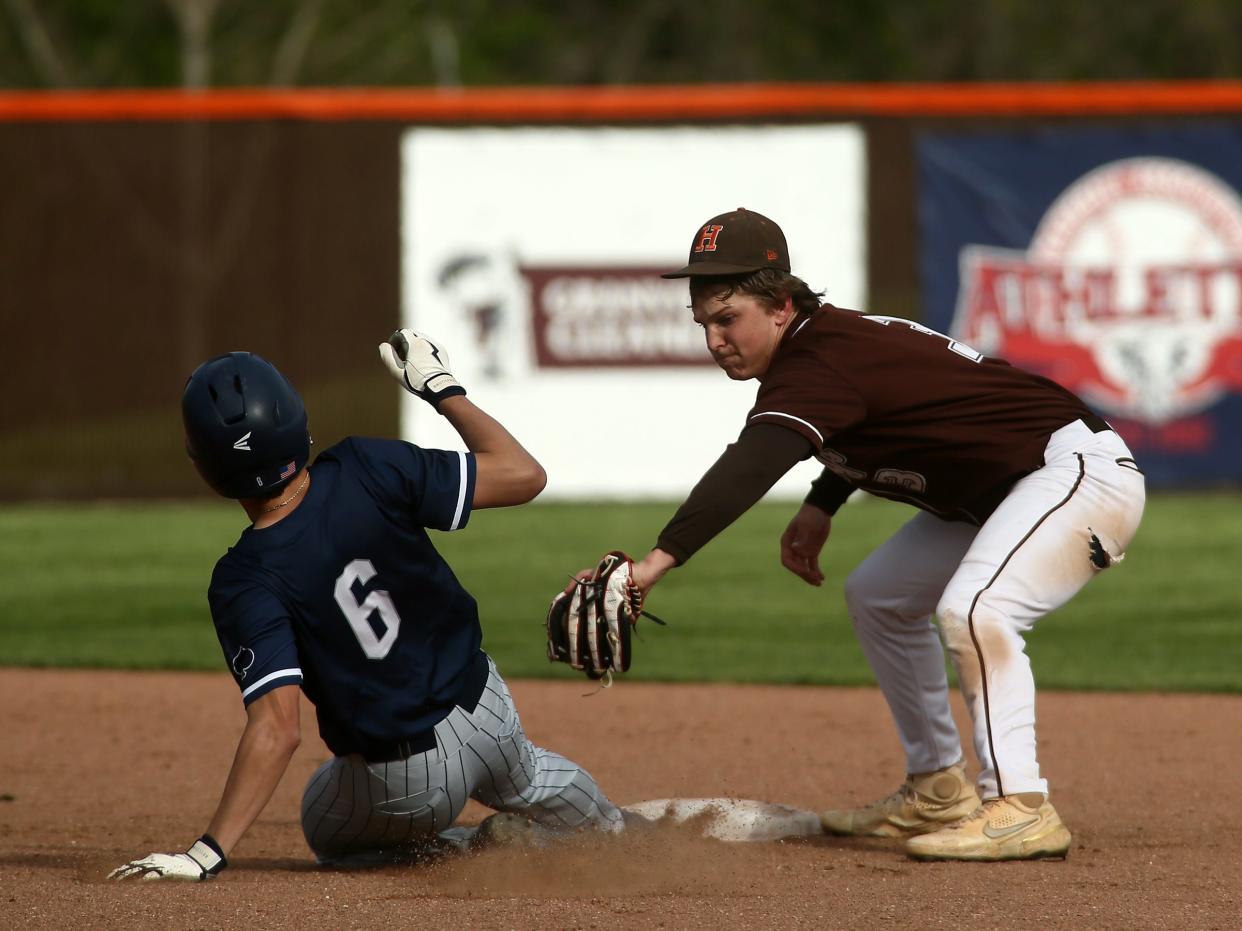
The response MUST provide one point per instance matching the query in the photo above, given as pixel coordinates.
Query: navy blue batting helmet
(245, 425)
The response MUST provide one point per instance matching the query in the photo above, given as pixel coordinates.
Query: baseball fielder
(336, 591)
(1024, 495)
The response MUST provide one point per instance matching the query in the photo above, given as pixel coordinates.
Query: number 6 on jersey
(358, 613)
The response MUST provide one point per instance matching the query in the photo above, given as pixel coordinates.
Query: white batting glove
(201, 862)
(421, 366)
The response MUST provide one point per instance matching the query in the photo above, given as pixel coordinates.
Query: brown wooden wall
(129, 252)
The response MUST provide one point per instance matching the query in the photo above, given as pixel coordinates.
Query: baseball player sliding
(336, 591)
(1024, 496)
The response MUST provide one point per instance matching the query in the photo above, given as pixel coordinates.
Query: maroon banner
(618, 316)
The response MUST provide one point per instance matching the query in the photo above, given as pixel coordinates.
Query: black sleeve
(740, 477)
(829, 491)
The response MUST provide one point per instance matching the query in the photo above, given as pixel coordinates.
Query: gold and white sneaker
(925, 802)
(1014, 827)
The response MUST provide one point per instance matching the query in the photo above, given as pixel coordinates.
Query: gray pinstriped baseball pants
(351, 806)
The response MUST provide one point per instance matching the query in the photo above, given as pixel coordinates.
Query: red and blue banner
(1108, 259)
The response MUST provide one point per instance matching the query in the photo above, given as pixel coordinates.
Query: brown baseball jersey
(904, 412)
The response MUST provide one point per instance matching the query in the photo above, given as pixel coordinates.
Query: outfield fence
(144, 231)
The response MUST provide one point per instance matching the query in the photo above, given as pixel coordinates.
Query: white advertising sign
(534, 255)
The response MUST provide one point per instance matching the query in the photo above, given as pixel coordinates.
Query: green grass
(125, 586)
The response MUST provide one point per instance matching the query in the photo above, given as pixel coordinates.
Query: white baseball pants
(351, 806)
(987, 586)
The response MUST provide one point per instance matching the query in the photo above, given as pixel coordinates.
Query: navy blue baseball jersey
(348, 597)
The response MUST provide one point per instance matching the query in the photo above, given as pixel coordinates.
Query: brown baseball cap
(733, 244)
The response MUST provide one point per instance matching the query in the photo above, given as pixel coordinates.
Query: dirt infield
(98, 768)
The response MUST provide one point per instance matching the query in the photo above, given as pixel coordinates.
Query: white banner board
(534, 255)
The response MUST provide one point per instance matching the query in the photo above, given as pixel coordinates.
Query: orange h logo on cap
(707, 238)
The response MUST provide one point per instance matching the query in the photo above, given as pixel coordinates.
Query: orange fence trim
(628, 104)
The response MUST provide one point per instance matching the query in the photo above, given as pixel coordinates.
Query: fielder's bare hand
(802, 542)
(201, 862)
(644, 574)
(650, 569)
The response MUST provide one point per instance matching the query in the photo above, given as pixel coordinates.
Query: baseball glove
(590, 626)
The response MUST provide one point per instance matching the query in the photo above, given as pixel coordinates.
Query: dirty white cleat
(1009, 828)
(925, 802)
(506, 829)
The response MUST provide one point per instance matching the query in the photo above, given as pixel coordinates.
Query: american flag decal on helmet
(288, 470)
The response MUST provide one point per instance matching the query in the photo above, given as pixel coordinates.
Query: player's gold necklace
(296, 492)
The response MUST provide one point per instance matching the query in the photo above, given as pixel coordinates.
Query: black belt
(1095, 424)
(468, 696)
